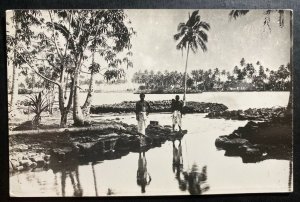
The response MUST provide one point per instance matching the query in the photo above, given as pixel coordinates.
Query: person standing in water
(177, 108)
(142, 110)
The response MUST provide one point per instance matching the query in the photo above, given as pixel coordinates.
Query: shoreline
(109, 140)
(157, 106)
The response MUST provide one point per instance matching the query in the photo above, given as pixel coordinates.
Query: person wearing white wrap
(142, 110)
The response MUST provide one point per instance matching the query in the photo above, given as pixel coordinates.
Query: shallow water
(119, 176)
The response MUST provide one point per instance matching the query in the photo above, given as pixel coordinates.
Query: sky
(228, 40)
(154, 48)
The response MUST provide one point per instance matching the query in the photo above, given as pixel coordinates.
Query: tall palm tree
(191, 35)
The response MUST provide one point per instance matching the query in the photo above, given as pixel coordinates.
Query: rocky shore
(263, 114)
(168, 91)
(158, 106)
(259, 141)
(114, 140)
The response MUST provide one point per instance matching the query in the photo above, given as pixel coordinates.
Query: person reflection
(178, 165)
(177, 159)
(142, 176)
(195, 180)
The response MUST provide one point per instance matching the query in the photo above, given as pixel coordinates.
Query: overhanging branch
(35, 71)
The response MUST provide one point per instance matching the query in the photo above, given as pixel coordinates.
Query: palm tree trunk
(186, 63)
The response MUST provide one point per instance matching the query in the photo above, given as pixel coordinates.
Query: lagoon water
(118, 177)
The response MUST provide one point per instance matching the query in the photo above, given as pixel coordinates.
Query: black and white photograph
(149, 102)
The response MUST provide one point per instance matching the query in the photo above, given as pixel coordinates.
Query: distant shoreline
(240, 91)
(138, 92)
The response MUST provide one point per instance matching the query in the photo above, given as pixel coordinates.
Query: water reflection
(95, 178)
(143, 178)
(70, 173)
(177, 159)
(193, 180)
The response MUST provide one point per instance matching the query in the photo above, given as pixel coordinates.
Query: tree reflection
(73, 175)
(193, 180)
(143, 178)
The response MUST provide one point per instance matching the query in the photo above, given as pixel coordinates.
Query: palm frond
(202, 44)
(181, 45)
(203, 25)
(192, 19)
(180, 26)
(237, 13)
(194, 46)
(177, 36)
(202, 35)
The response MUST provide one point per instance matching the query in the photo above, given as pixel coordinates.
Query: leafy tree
(21, 22)
(66, 39)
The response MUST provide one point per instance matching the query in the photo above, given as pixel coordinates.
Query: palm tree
(191, 35)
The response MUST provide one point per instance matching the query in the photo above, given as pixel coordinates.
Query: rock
(62, 153)
(20, 168)
(20, 147)
(14, 163)
(85, 146)
(225, 142)
(11, 168)
(47, 157)
(33, 165)
(38, 160)
(253, 152)
(154, 123)
(158, 106)
(25, 163)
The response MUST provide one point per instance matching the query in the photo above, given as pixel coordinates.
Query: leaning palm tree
(191, 35)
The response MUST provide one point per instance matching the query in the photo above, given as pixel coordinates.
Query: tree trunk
(14, 89)
(77, 112)
(63, 119)
(87, 104)
(290, 102)
(186, 63)
(15, 76)
(63, 113)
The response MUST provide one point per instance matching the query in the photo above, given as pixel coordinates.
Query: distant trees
(246, 77)
(152, 81)
(279, 14)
